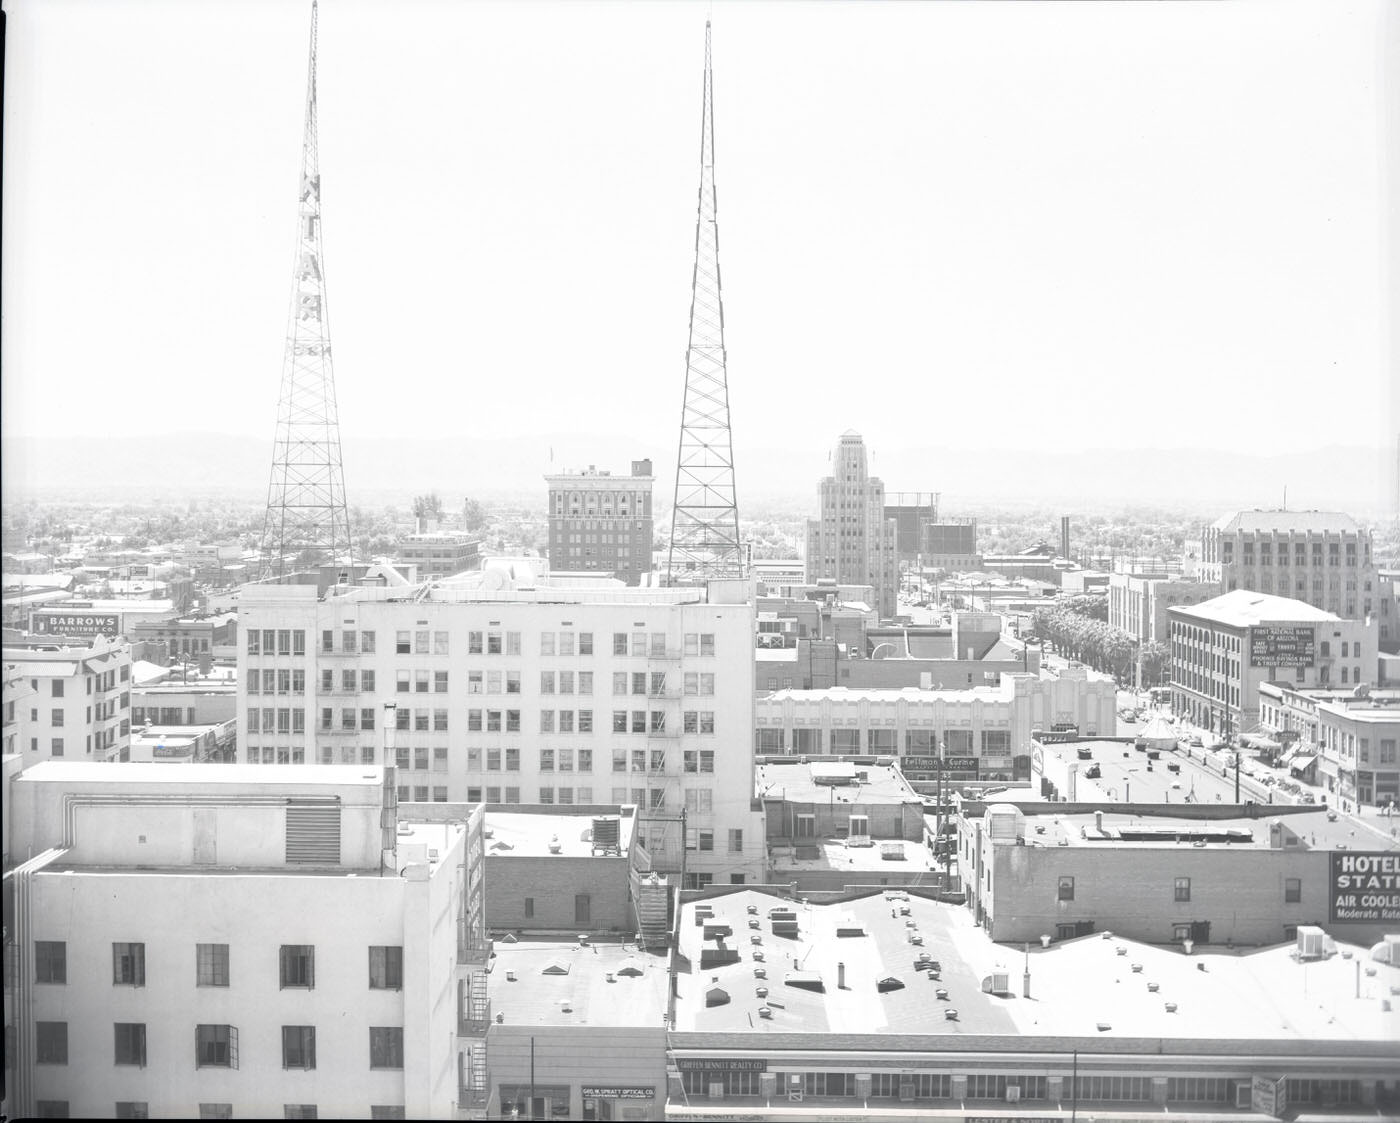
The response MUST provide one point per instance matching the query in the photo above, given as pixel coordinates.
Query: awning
(1301, 763)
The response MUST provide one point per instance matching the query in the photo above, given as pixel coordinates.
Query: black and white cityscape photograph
(438, 709)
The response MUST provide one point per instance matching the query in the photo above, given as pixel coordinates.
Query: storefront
(618, 1101)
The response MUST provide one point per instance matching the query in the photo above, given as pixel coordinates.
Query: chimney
(841, 976)
(1098, 821)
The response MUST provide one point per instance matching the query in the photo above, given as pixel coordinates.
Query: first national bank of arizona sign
(1365, 887)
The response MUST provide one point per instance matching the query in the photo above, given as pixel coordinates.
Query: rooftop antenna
(705, 515)
(307, 521)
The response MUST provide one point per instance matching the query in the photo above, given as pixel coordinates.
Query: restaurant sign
(1365, 887)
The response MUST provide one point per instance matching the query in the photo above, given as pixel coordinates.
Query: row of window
(1181, 889)
(140, 1109)
(296, 965)
(423, 641)
(215, 1046)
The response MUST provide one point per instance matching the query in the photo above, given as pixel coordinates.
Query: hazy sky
(959, 224)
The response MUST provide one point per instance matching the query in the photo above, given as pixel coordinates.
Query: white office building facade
(562, 695)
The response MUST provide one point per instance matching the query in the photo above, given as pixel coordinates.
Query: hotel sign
(76, 623)
(1365, 887)
(1282, 645)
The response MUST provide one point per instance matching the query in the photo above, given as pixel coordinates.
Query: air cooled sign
(1365, 888)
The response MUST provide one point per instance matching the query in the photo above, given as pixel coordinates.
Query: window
(298, 1046)
(1066, 889)
(297, 966)
(51, 1109)
(130, 1043)
(387, 1111)
(299, 1111)
(386, 967)
(1292, 890)
(211, 965)
(129, 965)
(215, 1111)
(585, 643)
(707, 840)
(51, 1043)
(1182, 889)
(386, 1047)
(133, 1109)
(50, 961)
(529, 908)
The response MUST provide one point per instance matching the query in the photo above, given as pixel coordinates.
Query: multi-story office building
(18, 690)
(1321, 557)
(601, 523)
(227, 941)
(79, 697)
(513, 690)
(439, 554)
(1360, 742)
(851, 541)
(1224, 648)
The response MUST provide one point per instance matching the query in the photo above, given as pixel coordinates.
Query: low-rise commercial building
(234, 940)
(889, 1005)
(1360, 743)
(439, 553)
(1208, 874)
(982, 733)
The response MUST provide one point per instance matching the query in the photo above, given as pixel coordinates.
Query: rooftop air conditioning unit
(1311, 942)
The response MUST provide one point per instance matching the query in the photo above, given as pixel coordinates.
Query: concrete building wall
(1131, 891)
(542, 893)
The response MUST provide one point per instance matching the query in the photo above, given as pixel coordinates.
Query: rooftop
(567, 984)
(1001, 692)
(1284, 522)
(893, 856)
(270, 778)
(1243, 608)
(1080, 988)
(521, 835)
(797, 781)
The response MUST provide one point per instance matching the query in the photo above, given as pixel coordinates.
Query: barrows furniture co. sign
(76, 623)
(1365, 887)
(1282, 645)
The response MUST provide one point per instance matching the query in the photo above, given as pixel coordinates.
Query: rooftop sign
(59, 623)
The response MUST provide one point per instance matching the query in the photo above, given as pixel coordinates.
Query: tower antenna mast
(307, 521)
(705, 516)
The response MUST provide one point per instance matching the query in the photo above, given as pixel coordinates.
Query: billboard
(1282, 645)
(1364, 887)
(70, 622)
(934, 764)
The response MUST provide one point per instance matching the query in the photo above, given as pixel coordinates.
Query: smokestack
(1064, 536)
(841, 976)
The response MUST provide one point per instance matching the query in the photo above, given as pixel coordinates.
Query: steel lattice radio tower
(705, 517)
(307, 522)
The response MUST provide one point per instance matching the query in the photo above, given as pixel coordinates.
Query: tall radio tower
(705, 518)
(307, 522)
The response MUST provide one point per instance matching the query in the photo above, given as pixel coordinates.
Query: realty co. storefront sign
(1365, 887)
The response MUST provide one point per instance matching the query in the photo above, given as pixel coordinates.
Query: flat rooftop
(886, 856)
(266, 778)
(515, 834)
(1243, 608)
(1079, 988)
(800, 782)
(996, 693)
(558, 983)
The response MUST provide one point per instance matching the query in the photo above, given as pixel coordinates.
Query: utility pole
(705, 516)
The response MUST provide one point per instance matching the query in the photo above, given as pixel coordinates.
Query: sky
(961, 224)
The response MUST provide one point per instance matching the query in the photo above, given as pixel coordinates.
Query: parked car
(1308, 797)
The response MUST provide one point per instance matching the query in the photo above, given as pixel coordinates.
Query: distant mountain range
(181, 466)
